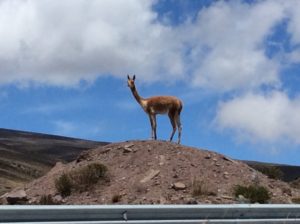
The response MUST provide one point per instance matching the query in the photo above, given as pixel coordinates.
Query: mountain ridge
(28, 155)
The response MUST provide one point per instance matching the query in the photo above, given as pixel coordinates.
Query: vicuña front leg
(153, 126)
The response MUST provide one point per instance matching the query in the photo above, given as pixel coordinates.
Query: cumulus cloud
(229, 51)
(269, 117)
(292, 9)
(63, 42)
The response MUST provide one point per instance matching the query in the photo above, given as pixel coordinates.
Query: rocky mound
(157, 172)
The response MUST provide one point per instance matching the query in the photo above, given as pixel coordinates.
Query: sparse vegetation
(295, 183)
(81, 179)
(63, 185)
(140, 188)
(254, 193)
(199, 189)
(47, 200)
(116, 198)
(296, 200)
(87, 176)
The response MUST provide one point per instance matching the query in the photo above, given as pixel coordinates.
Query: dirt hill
(157, 172)
(27, 155)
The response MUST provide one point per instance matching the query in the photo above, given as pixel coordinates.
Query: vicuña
(170, 105)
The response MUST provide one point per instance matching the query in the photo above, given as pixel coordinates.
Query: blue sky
(234, 64)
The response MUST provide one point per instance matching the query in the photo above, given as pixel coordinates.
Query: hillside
(156, 172)
(26, 155)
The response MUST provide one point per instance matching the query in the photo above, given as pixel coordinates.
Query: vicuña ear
(133, 77)
(128, 77)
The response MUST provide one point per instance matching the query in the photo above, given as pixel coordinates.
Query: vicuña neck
(136, 95)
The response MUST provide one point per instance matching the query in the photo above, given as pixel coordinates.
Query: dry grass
(84, 178)
(199, 188)
(116, 198)
(81, 179)
(47, 200)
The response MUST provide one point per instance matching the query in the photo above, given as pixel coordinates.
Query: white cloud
(294, 20)
(228, 49)
(63, 127)
(63, 42)
(269, 118)
(82, 129)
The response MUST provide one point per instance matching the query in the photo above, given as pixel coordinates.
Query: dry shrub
(81, 179)
(47, 200)
(63, 185)
(116, 198)
(296, 200)
(85, 177)
(199, 188)
(254, 193)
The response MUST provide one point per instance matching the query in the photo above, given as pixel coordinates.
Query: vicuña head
(170, 105)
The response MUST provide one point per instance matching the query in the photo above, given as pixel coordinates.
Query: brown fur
(170, 105)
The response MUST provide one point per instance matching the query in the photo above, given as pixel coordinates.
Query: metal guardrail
(146, 214)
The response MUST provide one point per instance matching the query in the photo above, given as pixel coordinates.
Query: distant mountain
(286, 173)
(25, 156)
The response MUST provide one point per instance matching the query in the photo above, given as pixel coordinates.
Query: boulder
(16, 197)
(179, 186)
(150, 175)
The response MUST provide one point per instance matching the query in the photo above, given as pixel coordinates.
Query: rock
(128, 145)
(162, 160)
(287, 191)
(127, 150)
(179, 186)
(105, 150)
(17, 197)
(83, 156)
(230, 160)
(58, 198)
(162, 200)
(241, 199)
(150, 175)
(226, 175)
(226, 197)
(191, 201)
(208, 156)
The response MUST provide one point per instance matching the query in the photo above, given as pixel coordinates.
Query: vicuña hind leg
(179, 127)
(173, 123)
